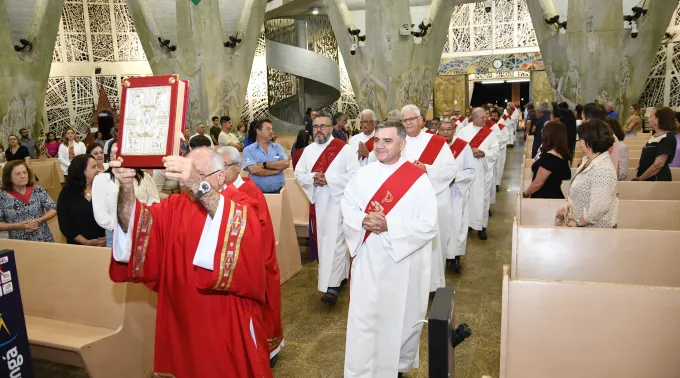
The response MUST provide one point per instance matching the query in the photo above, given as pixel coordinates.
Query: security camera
(353, 49)
(634, 29)
(487, 5)
(405, 29)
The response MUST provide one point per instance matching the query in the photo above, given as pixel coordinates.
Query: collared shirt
(30, 145)
(254, 154)
(342, 135)
(593, 193)
(612, 114)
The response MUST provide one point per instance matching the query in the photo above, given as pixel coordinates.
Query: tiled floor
(315, 334)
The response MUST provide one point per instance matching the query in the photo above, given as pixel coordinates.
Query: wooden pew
(287, 248)
(634, 257)
(50, 175)
(76, 315)
(561, 329)
(300, 206)
(632, 172)
(289, 172)
(636, 190)
(641, 215)
(53, 224)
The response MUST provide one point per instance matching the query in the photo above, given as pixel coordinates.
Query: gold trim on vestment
(275, 342)
(225, 244)
(163, 375)
(238, 242)
(143, 233)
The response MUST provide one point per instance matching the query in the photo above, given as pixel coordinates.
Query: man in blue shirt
(339, 121)
(265, 160)
(610, 110)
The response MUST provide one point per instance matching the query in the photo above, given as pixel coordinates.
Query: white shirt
(105, 197)
(78, 149)
(226, 139)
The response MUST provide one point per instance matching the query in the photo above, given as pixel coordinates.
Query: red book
(152, 119)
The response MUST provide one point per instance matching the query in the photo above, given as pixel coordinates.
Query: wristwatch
(265, 165)
(203, 188)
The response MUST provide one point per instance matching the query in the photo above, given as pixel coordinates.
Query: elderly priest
(390, 219)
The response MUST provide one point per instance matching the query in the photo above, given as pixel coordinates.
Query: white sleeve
(100, 208)
(205, 253)
(466, 170)
(352, 217)
(443, 170)
(62, 155)
(337, 182)
(122, 240)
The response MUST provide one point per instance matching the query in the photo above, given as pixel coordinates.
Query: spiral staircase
(302, 69)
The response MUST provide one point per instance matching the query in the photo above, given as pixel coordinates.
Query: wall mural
(449, 92)
(479, 64)
(541, 90)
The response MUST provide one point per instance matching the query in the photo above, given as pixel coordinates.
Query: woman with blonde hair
(634, 122)
(70, 147)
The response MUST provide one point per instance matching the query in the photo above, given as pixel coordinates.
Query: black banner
(15, 355)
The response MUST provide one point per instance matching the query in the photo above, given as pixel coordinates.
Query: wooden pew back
(632, 172)
(635, 190)
(287, 248)
(575, 329)
(641, 215)
(299, 205)
(635, 257)
(50, 175)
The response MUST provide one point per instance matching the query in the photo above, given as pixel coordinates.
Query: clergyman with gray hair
(362, 143)
(394, 115)
(323, 171)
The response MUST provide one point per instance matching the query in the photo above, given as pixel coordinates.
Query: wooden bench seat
(636, 190)
(287, 247)
(300, 206)
(632, 172)
(76, 315)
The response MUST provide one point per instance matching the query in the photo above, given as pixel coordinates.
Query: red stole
(429, 131)
(370, 143)
(461, 119)
(480, 137)
(501, 125)
(505, 117)
(392, 190)
(25, 198)
(432, 149)
(457, 147)
(512, 112)
(322, 163)
(489, 124)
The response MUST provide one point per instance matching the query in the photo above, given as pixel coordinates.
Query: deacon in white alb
(431, 153)
(512, 123)
(323, 171)
(503, 136)
(390, 218)
(484, 144)
(362, 143)
(460, 191)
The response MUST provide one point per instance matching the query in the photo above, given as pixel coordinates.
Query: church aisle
(315, 334)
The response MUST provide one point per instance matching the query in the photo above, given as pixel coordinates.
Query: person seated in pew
(211, 276)
(624, 153)
(302, 141)
(25, 208)
(105, 196)
(51, 145)
(592, 200)
(271, 311)
(552, 166)
(660, 150)
(97, 152)
(75, 213)
(16, 151)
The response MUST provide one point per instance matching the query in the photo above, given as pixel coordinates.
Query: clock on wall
(497, 64)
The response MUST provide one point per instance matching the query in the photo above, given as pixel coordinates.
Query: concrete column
(24, 75)
(301, 42)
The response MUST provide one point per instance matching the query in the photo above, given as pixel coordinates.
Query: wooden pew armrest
(63, 335)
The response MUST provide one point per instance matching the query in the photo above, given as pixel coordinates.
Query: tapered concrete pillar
(391, 70)
(218, 75)
(596, 59)
(24, 74)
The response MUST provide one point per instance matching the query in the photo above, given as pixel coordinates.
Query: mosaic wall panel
(449, 92)
(484, 63)
(540, 87)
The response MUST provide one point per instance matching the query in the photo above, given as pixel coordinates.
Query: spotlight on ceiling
(315, 10)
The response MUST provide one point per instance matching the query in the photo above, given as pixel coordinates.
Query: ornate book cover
(152, 119)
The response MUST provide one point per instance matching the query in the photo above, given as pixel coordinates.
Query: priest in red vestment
(201, 251)
(233, 182)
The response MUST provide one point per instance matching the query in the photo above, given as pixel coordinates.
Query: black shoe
(330, 298)
(343, 282)
(498, 188)
(400, 375)
(511, 145)
(482, 235)
(273, 360)
(432, 293)
(455, 264)
(490, 213)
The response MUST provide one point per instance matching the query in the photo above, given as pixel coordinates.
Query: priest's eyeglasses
(367, 122)
(320, 127)
(208, 175)
(407, 120)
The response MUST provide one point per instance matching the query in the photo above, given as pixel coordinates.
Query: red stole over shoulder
(370, 143)
(429, 131)
(505, 117)
(392, 190)
(489, 124)
(461, 119)
(457, 147)
(322, 163)
(513, 111)
(480, 137)
(432, 149)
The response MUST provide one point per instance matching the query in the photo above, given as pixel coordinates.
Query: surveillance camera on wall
(353, 49)
(634, 29)
(405, 29)
(487, 5)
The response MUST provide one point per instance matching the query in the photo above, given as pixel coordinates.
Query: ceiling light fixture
(493, 81)
(315, 10)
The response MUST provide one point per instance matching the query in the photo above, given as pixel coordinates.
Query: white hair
(234, 155)
(410, 108)
(367, 111)
(395, 114)
(217, 159)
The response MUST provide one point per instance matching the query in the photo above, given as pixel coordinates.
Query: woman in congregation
(624, 153)
(16, 151)
(251, 137)
(634, 122)
(76, 216)
(660, 149)
(302, 141)
(99, 139)
(51, 145)
(25, 208)
(592, 200)
(241, 133)
(552, 167)
(70, 148)
(676, 161)
(97, 152)
(105, 197)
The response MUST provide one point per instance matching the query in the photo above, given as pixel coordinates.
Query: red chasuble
(273, 327)
(457, 147)
(204, 318)
(392, 190)
(431, 151)
(480, 137)
(321, 165)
